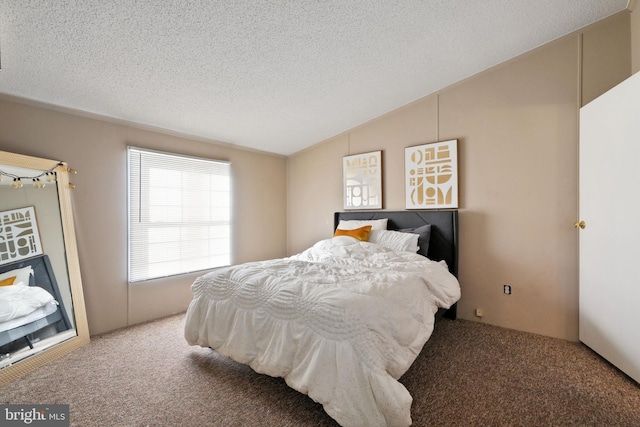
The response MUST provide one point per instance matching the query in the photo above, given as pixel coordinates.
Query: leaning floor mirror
(42, 310)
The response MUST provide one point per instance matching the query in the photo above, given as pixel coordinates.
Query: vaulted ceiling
(271, 75)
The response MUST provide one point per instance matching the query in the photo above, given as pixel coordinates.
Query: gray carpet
(469, 374)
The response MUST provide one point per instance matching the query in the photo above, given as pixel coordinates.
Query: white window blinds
(179, 214)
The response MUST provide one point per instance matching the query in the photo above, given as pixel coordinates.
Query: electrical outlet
(479, 312)
(507, 289)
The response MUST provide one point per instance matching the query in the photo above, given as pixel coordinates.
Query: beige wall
(635, 38)
(606, 56)
(517, 131)
(97, 149)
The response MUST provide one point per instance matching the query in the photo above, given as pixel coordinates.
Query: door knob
(580, 224)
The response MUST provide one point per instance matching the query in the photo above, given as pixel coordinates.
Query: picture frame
(431, 175)
(19, 236)
(362, 179)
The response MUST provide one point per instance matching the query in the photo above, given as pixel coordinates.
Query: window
(179, 214)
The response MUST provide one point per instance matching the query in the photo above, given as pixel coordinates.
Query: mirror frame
(73, 266)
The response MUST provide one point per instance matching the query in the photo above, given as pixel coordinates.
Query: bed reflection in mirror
(39, 314)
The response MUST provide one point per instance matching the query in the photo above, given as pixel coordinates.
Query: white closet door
(610, 241)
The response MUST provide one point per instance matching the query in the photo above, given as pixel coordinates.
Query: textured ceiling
(272, 75)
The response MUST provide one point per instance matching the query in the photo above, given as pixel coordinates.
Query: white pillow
(395, 240)
(351, 224)
(22, 275)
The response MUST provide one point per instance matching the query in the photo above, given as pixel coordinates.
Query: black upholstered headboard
(444, 229)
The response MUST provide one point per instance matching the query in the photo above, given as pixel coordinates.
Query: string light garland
(38, 181)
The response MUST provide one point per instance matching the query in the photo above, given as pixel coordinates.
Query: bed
(343, 320)
(29, 301)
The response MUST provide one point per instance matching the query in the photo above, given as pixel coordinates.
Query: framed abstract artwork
(362, 177)
(431, 175)
(19, 238)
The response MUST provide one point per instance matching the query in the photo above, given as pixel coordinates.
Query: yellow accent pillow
(8, 281)
(361, 233)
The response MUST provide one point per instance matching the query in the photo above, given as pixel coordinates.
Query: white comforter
(340, 322)
(20, 300)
